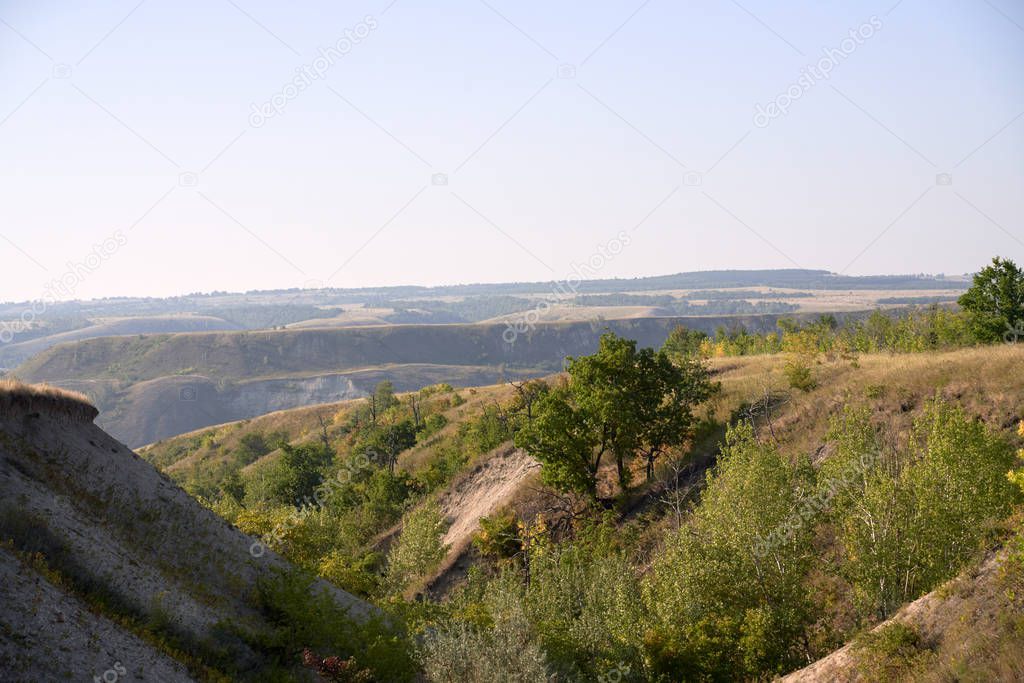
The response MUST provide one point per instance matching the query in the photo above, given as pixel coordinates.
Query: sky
(159, 148)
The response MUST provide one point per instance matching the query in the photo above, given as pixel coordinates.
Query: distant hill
(19, 351)
(152, 387)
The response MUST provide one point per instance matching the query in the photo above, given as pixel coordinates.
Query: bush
(885, 653)
(508, 652)
(498, 537)
(310, 618)
(799, 375)
(419, 548)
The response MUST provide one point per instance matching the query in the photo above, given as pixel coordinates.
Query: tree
(683, 342)
(294, 478)
(382, 398)
(419, 548)
(728, 597)
(527, 394)
(995, 302)
(912, 518)
(233, 487)
(619, 402)
(384, 444)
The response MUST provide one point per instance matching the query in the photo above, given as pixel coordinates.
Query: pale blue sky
(105, 105)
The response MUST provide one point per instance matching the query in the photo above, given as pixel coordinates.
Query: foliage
(384, 443)
(727, 596)
(923, 509)
(498, 537)
(490, 428)
(419, 549)
(995, 302)
(569, 611)
(308, 617)
(254, 445)
(619, 402)
(799, 375)
(507, 651)
(432, 425)
(916, 330)
(683, 343)
(886, 652)
(295, 476)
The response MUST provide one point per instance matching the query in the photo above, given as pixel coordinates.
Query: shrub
(508, 652)
(419, 548)
(309, 618)
(498, 537)
(888, 651)
(799, 375)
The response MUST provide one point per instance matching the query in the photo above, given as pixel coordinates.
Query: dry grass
(16, 398)
(988, 382)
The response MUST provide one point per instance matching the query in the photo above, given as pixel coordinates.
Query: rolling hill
(152, 387)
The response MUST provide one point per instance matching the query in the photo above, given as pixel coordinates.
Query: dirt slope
(481, 492)
(49, 635)
(119, 532)
(968, 629)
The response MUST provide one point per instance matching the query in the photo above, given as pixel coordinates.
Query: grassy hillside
(463, 468)
(23, 346)
(969, 629)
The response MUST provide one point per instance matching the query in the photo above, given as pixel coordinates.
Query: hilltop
(26, 328)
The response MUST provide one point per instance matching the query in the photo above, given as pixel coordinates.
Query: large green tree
(995, 302)
(619, 403)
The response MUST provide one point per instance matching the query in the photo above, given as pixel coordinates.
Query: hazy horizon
(239, 146)
(965, 277)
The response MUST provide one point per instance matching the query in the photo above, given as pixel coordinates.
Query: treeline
(930, 329)
(992, 310)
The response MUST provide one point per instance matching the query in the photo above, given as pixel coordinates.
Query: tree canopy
(995, 302)
(620, 403)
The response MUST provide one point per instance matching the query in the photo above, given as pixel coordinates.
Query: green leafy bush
(419, 548)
